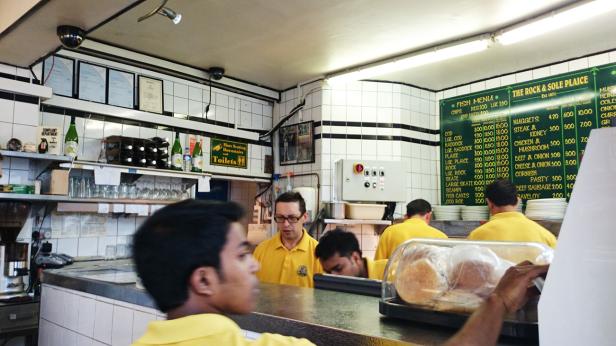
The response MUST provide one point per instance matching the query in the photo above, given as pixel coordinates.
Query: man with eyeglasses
(288, 257)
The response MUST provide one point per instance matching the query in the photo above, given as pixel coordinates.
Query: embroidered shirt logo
(302, 270)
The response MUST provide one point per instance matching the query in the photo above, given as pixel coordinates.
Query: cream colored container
(360, 211)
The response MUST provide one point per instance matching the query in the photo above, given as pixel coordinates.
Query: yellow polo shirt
(513, 226)
(208, 329)
(288, 267)
(376, 269)
(397, 234)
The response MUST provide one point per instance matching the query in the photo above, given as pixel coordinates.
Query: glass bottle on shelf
(197, 157)
(102, 156)
(71, 140)
(176, 154)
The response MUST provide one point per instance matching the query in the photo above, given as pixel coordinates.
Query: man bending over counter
(340, 254)
(416, 225)
(506, 223)
(288, 257)
(194, 260)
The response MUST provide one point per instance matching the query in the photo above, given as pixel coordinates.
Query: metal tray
(524, 327)
(366, 287)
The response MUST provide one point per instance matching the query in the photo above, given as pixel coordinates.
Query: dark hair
(291, 196)
(175, 241)
(337, 241)
(502, 192)
(418, 207)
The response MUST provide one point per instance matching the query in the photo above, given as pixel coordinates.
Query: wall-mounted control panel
(370, 180)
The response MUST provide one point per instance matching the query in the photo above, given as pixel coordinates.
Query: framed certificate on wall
(92, 82)
(121, 88)
(58, 74)
(150, 94)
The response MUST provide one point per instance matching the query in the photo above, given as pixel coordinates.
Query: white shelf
(31, 197)
(136, 170)
(35, 156)
(66, 199)
(25, 88)
(356, 222)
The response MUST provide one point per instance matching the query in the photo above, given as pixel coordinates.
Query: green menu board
(532, 133)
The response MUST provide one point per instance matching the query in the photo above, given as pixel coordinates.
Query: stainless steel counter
(324, 317)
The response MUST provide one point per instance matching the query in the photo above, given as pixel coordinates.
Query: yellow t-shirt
(376, 269)
(397, 234)
(288, 267)
(513, 226)
(208, 329)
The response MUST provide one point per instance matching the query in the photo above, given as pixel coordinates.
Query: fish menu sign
(228, 153)
(532, 133)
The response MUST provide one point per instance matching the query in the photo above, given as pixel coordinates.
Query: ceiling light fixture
(175, 17)
(413, 60)
(555, 21)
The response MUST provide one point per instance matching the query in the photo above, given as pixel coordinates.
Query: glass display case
(443, 281)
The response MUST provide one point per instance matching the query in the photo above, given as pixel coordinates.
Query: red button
(358, 168)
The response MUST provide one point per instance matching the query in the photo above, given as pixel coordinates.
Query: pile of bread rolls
(448, 279)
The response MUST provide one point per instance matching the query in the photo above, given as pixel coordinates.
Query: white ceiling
(279, 43)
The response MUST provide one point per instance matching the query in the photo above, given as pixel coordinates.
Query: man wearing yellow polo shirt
(195, 262)
(288, 257)
(340, 254)
(506, 223)
(416, 225)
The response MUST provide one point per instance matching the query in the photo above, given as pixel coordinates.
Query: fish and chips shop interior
(307, 172)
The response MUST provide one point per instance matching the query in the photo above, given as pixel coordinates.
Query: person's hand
(512, 289)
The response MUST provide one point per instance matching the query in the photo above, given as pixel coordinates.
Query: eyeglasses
(291, 219)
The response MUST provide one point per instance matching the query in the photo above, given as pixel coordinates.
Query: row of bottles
(181, 160)
(184, 160)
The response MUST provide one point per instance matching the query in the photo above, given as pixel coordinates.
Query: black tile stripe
(379, 125)
(81, 114)
(19, 97)
(14, 77)
(376, 137)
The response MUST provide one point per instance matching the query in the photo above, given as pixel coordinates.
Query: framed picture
(92, 82)
(121, 88)
(58, 74)
(150, 94)
(296, 143)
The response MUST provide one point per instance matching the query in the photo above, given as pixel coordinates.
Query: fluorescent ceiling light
(405, 63)
(556, 21)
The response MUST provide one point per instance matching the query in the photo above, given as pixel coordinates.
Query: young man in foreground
(194, 260)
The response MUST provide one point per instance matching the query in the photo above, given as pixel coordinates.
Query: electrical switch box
(370, 181)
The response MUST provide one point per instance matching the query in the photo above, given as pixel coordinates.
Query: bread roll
(471, 275)
(421, 275)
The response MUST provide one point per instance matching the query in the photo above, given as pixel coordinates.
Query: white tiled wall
(20, 120)
(73, 318)
(368, 102)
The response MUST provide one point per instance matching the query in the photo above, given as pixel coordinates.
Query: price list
(532, 133)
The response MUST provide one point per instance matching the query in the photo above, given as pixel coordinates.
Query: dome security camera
(216, 72)
(70, 36)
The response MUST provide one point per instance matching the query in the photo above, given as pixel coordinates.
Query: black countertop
(324, 317)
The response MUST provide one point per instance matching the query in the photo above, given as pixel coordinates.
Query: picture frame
(59, 75)
(150, 94)
(120, 88)
(296, 143)
(91, 82)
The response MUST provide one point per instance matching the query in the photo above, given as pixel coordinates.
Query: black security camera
(216, 72)
(70, 36)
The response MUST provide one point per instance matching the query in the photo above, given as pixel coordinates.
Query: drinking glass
(133, 192)
(123, 191)
(110, 252)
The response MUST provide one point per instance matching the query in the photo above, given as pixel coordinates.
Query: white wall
(369, 102)
(181, 97)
